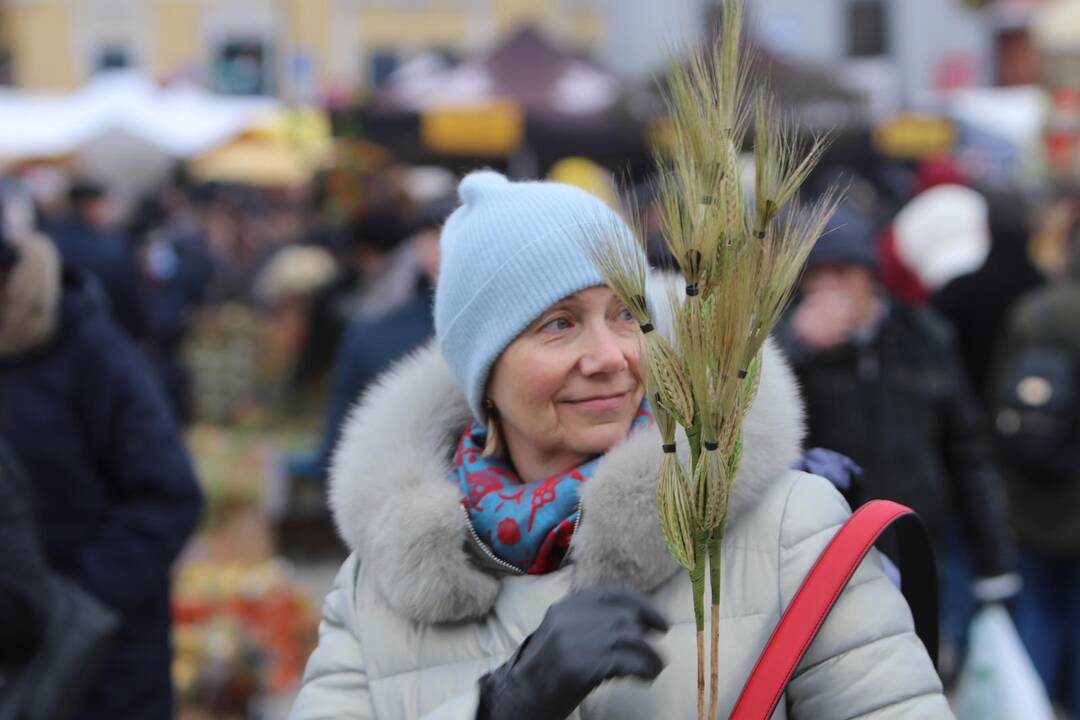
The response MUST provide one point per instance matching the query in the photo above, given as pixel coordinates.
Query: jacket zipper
(512, 569)
(573, 536)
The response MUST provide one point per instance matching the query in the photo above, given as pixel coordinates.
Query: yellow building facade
(298, 49)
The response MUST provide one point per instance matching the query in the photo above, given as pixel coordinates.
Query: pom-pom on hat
(509, 252)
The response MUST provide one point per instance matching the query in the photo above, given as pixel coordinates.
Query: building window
(112, 57)
(381, 65)
(7, 69)
(867, 29)
(242, 67)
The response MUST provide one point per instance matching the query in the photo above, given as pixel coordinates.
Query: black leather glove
(582, 641)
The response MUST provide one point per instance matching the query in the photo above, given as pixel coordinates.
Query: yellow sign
(493, 129)
(910, 136)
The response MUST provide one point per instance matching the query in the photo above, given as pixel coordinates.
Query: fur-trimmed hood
(396, 505)
(29, 308)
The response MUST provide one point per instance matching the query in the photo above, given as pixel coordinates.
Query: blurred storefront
(907, 54)
(300, 50)
(522, 106)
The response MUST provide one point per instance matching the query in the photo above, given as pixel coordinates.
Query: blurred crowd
(935, 332)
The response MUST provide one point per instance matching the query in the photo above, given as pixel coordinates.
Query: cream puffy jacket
(417, 615)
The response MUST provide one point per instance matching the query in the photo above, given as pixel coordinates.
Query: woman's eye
(626, 316)
(558, 324)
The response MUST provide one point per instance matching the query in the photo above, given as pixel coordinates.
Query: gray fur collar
(397, 508)
(30, 304)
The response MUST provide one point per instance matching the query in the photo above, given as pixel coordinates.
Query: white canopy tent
(121, 129)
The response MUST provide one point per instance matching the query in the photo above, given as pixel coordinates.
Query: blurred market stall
(283, 148)
(524, 105)
(121, 129)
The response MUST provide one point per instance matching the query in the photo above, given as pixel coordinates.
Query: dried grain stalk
(740, 259)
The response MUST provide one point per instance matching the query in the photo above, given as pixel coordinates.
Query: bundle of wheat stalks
(740, 258)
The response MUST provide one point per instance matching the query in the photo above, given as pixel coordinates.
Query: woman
(498, 492)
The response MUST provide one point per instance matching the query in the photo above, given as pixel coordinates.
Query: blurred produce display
(242, 630)
(223, 353)
(243, 622)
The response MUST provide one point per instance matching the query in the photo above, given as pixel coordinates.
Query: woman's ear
(493, 445)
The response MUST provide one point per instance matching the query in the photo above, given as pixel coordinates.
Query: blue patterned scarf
(528, 525)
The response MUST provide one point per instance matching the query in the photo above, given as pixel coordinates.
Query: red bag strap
(819, 592)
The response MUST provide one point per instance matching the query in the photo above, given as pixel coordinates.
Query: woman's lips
(600, 403)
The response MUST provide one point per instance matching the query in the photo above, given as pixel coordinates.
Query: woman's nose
(604, 353)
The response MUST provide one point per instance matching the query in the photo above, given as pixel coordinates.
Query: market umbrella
(284, 150)
(254, 162)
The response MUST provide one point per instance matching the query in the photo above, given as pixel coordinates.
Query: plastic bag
(998, 681)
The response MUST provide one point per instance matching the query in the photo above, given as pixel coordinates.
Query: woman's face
(571, 382)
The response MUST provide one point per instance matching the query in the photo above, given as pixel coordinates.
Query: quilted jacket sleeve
(463, 707)
(867, 661)
(335, 683)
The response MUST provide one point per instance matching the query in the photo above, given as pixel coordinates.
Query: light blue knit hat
(510, 251)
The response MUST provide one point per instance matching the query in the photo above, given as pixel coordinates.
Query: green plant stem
(715, 566)
(693, 436)
(697, 575)
(697, 579)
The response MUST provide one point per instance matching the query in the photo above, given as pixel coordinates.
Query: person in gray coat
(498, 492)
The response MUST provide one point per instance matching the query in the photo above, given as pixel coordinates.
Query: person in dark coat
(884, 385)
(179, 270)
(369, 348)
(87, 243)
(1045, 506)
(364, 287)
(22, 574)
(113, 487)
(23, 589)
(370, 345)
(976, 304)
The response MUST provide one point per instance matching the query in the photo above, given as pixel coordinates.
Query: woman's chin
(598, 438)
